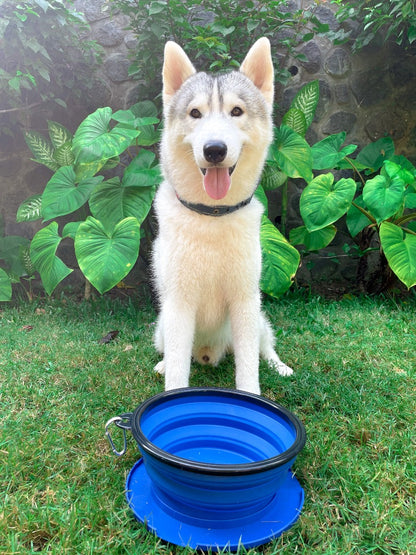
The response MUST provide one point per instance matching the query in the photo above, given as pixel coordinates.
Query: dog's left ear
(258, 67)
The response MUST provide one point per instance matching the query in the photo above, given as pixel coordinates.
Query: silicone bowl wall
(216, 453)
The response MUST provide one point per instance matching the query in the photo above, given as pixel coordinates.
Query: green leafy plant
(214, 32)
(107, 213)
(43, 58)
(15, 264)
(390, 20)
(379, 200)
(105, 177)
(280, 260)
(289, 156)
(5, 286)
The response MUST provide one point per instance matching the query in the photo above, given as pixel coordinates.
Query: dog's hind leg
(267, 351)
(174, 336)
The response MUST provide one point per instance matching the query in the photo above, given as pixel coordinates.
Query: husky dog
(207, 255)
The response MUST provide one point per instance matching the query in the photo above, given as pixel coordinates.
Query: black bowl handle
(124, 422)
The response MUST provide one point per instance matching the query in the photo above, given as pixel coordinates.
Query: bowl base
(281, 513)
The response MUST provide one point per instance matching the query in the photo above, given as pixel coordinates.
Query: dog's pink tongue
(217, 181)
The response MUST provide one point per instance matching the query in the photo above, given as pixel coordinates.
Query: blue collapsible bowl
(215, 470)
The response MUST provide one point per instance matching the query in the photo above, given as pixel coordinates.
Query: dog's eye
(195, 113)
(237, 111)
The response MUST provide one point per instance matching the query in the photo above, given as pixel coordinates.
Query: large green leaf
(261, 196)
(95, 141)
(24, 253)
(59, 134)
(106, 257)
(406, 165)
(43, 254)
(70, 229)
(88, 169)
(356, 220)
(272, 177)
(295, 119)
(405, 172)
(323, 202)
(111, 202)
(373, 155)
(410, 200)
(400, 250)
(328, 153)
(11, 252)
(91, 129)
(5, 286)
(42, 149)
(280, 260)
(127, 117)
(292, 153)
(30, 210)
(145, 109)
(148, 134)
(141, 172)
(384, 196)
(64, 155)
(306, 100)
(145, 124)
(313, 240)
(62, 194)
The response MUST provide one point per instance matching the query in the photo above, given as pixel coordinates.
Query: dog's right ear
(177, 67)
(258, 67)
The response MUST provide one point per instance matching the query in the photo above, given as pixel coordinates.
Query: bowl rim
(146, 446)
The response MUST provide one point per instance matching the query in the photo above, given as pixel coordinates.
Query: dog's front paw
(160, 367)
(282, 368)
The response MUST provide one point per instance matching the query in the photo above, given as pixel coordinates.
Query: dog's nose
(215, 151)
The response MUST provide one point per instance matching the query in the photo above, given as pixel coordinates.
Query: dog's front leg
(178, 326)
(246, 342)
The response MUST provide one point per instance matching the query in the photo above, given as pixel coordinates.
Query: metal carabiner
(115, 420)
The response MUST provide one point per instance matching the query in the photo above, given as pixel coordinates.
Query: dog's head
(217, 127)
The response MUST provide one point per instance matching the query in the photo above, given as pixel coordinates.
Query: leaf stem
(364, 211)
(406, 218)
(284, 208)
(350, 162)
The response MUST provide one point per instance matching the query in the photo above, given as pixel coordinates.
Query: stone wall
(368, 95)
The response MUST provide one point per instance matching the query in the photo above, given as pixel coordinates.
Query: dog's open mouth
(230, 170)
(217, 181)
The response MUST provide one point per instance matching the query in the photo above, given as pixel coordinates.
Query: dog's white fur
(207, 269)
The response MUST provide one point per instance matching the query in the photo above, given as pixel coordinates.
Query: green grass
(354, 387)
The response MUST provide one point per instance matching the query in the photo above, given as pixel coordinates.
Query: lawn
(354, 387)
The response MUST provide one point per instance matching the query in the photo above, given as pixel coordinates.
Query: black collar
(216, 211)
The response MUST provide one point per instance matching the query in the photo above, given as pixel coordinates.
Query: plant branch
(21, 108)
